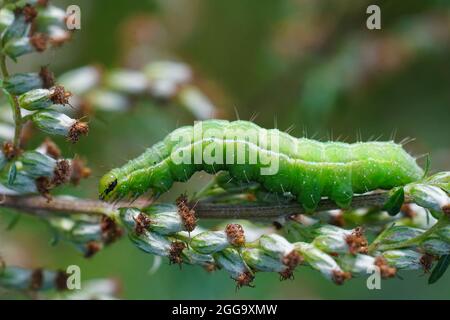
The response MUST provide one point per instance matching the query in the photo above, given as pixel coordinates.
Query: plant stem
(39, 205)
(15, 105)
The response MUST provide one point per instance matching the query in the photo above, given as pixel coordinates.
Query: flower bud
(3, 160)
(209, 242)
(6, 18)
(35, 280)
(18, 28)
(127, 81)
(21, 4)
(260, 260)
(165, 77)
(78, 231)
(192, 257)
(48, 16)
(86, 236)
(275, 245)
(441, 180)
(152, 243)
(196, 103)
(331, 239)
(18, 182)
(53, 122)
(231, 261)
(82, 80)
(429, 197)
(397, 234)
(137, 225)
(130, 219)
(363, 264)
(95, 290)
(57, 35)
(403, 259)
(39, 99)
(18, 47)
(164, 219)
(444, 233)
(6, 131)
(435, 246)
(322, 262)
(35, 164)
(357, 264)
(108, 100)
(21, 83)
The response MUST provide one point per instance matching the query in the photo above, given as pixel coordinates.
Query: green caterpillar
(306, 168)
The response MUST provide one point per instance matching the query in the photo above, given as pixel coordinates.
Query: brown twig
(40, 205)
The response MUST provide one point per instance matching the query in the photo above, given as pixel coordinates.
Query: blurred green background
(311, 64)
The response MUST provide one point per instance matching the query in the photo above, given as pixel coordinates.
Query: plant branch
(40, 205)
(14, 105)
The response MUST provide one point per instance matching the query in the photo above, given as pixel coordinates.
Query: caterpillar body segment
(306, 168)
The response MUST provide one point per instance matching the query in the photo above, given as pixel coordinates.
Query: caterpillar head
(107, 188)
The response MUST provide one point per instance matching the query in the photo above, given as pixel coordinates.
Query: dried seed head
(287, 274)
(386, 271)
(85, 107)
(337, 219)
(142, 223)
(176, 249)
(110, 230)
(187, 214)
(408, 211)
(39, 41)
(44, 185)
(37, 279)
(427, 262)
(60, 95)
(62, 173)
(78, 129)
(61, 280)
(244, 279)
(92, 247)
(51, 148)
(356, 241)
(339, 277)
(48, 78)
(446, 209)
(30, 13)
(235, 234)
(210, 267)
(43, 3)
(292, 260)
(182, 200)
(10, 151)
(79, 171)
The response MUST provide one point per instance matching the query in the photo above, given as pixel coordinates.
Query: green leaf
(12, 174)
(13, 222)
(440, 269)
(427, 166)
(395, 202)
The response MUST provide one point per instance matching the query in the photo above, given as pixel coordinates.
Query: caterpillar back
(306, 168)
